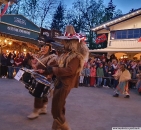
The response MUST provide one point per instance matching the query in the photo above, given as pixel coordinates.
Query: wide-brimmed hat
(43, 40)
(70, 34)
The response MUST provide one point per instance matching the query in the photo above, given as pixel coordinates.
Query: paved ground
(87, 109)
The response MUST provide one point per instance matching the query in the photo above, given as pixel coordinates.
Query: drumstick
(40, 61)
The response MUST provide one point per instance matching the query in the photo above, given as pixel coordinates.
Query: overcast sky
(124, 5)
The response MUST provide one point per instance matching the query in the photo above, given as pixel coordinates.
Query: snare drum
(27, 77)
(40, 86)
(37, 84)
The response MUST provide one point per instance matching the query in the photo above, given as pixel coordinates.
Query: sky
(124, 5)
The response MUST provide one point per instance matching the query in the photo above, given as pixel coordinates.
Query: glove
(49, 70)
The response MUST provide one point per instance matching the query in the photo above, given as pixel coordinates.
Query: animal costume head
(74, 43)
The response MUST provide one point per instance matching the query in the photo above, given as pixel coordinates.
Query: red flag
(101, 38)
(5, 8)
(139, 39)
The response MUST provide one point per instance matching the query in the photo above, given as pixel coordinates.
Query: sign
(46, 32)
(19, 75)
(55, 33)
(20, 21)
(50, 33)
(101, 38)
(12, 30)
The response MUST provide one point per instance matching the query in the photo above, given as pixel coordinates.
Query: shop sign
(12, 30)
(20, 21)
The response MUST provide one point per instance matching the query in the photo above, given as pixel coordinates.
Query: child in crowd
(100, 75)
(81, 80)
(106, 82)
(93, 75)
(87, 75)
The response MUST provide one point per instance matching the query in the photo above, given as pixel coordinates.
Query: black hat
(43, 39)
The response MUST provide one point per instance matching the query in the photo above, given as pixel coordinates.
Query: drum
(37, 84)
(27, 77)
(40, 86)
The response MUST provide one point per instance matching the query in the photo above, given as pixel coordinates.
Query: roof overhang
(117, 20)
(116, 50)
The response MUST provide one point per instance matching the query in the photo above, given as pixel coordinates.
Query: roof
(125, 17)
(116, 50)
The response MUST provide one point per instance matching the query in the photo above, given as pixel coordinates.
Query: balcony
(128, 43)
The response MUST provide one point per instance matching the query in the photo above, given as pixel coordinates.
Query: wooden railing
(132, 43)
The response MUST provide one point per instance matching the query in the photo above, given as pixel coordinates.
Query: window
(137, 33)
(126, 34)
(131, 33)
(113, 35)
(119, 34)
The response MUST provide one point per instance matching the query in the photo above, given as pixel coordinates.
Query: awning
(19, 28)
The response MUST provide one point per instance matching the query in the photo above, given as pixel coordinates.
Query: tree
(90, 13)
(38, 11)
(58, 18)
(110, 11)
(46, 9)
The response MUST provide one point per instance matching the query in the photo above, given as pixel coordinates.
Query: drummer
(44, 57)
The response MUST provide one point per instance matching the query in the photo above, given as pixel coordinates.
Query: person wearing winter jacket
(4, 65)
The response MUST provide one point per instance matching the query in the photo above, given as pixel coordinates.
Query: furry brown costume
(69, 67)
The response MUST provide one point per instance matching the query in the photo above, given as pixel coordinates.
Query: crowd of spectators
(97, 72)
(100, 71)
(11, 63)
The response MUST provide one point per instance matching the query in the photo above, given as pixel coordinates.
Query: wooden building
(122, 36)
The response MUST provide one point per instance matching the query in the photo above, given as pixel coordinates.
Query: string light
(5, 41)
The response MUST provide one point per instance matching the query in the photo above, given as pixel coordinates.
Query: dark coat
(4, 60)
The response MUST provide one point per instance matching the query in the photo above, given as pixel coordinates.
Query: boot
(34, 114)
(55, 126)
(127, 96)
(43, 110)
(64, 126)
(116, 95)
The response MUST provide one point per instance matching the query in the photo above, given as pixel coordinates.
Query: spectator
(100, 75)
(93, 75)
(18, 62)
(81, 80)
(10, 65)
(106, 79)
(4, 65)
(87, 76)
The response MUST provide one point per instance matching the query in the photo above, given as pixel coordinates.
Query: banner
(101, 38)
(139, 39)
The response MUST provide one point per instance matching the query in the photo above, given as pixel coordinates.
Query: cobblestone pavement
(86, 109)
